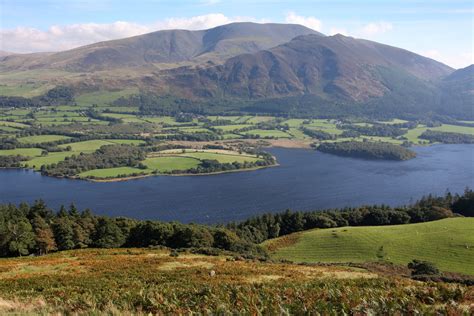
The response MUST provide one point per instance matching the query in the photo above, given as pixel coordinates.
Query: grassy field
(38, 139)
(101, 98)
(111, 172)
(146, 281)
(27, 152)
(448, 243)
(268, 133)
(49, 159)
(166, 164)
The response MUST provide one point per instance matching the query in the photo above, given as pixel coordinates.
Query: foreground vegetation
(143, 281)
(448, 243)
(186, 268)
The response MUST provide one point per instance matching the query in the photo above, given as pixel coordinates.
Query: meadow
(448, 243)
(147, 281)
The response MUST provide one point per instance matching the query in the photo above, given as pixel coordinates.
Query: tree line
(429, 208)
(447, 137)
(367, 150)
(36, 229)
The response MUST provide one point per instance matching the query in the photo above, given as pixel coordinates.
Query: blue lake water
(305, 180)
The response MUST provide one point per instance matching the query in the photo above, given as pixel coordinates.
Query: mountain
(248, 66)
(166, 47)
(458, 91)
(332, 67)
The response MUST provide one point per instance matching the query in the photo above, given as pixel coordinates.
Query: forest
(367, 150)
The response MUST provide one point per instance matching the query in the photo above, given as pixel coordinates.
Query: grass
(454, 129)
(27, 152)
(230, 128)
(53, 157)
(413, 134)
(86, 146)
(223, 156)
(147, 281)
(38, 139)
(167, 164)
(268, 133)
(111, 172)
(103, 97)
(449, 243)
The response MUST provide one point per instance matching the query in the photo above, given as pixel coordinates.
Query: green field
(27, 152)
(268, 133)
(51, 158)
(449, 243)
(167, 164)
(41, 139)
(454, 129)
(111, 172)
(103, 97)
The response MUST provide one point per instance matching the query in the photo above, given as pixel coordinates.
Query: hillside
(150, 281)
(250, 67)
(458, 89)
(449, 243)
(164, 47)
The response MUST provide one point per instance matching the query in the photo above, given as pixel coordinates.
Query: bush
(419, 267)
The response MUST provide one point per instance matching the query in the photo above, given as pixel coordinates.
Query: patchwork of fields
(49, 135)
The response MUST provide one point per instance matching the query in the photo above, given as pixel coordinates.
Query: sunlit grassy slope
(449, 243)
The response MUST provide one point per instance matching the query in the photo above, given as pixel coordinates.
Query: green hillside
(449, 243)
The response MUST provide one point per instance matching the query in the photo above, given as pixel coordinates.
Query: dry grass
(142, 281)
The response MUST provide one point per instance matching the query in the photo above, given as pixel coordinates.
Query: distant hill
(337, 67)
(458, 91)
(168, 46)
(448, 243)
(259, 68)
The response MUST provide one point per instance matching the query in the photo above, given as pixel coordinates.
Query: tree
(44, 236)
(465, 204)
(108, 234)
(22, 238)
(63, 233)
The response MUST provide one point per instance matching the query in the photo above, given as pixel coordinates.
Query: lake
(305, 180)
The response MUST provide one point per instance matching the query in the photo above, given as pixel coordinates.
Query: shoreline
(105, 180)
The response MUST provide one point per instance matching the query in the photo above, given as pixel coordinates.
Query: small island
(367, 150)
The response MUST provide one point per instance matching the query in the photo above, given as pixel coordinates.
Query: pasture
(448, 243)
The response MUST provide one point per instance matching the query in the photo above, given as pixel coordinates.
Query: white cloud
(209, 2)
(374, 28)
(308, 21)
(457, 60)
(63, 37)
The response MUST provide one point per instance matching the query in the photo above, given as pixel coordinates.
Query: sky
(439, 29)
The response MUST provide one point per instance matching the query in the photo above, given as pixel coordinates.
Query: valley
(39, 138)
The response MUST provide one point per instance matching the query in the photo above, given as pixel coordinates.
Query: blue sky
(439, 29)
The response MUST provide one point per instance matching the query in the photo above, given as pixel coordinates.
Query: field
(449, 243)
(64, 123)
(165, 164)
(41, 139)
(110, 172)
(147, 281)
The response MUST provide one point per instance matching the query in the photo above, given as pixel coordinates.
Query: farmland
(433, 241)
(49, 135)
